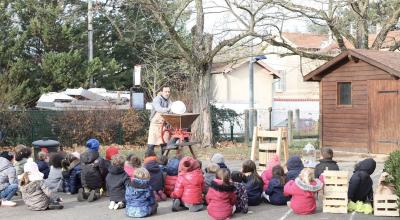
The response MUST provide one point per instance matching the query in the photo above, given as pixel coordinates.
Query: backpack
(91, 175)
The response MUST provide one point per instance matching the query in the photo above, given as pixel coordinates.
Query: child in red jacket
(303, 190)
(189, 186)
(221, 196)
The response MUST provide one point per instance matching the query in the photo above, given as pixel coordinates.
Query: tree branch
(228, 42)
(297, 51)
(153, 6)
(199, 17)
(228, 3)
(180, 11)
(390, 23)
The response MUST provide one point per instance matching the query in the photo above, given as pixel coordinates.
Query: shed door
(384, 115)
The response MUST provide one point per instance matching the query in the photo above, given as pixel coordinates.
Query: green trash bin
(46, 145)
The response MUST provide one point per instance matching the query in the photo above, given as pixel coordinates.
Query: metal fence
(305, 123)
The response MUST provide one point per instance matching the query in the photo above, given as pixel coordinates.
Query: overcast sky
(216, 21)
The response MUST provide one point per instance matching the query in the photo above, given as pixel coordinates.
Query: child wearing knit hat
(110, 152)
(219, 159)
(94, 172)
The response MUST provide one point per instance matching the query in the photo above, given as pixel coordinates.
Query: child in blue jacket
(140, 199)
(275, 187)
(72, 173)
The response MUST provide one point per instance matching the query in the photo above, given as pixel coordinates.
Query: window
(280, 84)
(344, 93)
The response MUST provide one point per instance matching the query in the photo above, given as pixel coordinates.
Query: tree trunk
(201, 128)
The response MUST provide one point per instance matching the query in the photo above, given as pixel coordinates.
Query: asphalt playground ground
(99, 209)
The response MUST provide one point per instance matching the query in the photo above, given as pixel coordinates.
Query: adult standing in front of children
(8, 179)
(161, 104)
(94, 172)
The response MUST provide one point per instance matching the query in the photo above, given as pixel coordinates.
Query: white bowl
(178, 107)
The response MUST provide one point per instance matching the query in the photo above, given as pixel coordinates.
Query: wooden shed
(360, 101)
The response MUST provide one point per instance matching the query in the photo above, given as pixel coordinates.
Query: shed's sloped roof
(385, 60)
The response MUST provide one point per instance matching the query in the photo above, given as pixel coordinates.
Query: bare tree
(200, 47)
(349, 21)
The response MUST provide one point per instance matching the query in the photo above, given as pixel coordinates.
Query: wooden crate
(386, 205)
(335, 197)
(335, 181)
(335, 202)
(268, 144)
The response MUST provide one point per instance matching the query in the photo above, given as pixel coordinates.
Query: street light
(252, 118)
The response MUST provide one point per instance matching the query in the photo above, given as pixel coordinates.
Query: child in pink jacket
(303, 190)
(267, 173)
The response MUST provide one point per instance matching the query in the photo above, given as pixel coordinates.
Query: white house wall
(297, 94)
(231, 90)
(296, 88)
(233, 87)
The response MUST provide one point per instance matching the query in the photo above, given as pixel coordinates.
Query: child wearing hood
(8, 179)
(210, 175)
(36, 195)
(131, 164)
(360, 185)
(221, 196)
(156, 176)
(116, 181)
(72, 173)
(188, 191)
(303, 190)
(55, 179)
(326, 162)
(219, 159)
(267, 173)
(294, 167)
(172, 174)
(94, 172)
(140, 200)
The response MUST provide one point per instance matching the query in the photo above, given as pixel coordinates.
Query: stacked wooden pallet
(335, 192)
(386, 205)
(268, 143)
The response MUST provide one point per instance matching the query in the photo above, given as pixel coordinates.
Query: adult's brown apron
(155, 130)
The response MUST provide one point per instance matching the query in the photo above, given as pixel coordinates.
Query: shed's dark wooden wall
(347, 127)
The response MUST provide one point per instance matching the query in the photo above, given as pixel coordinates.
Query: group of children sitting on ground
(139, 186)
